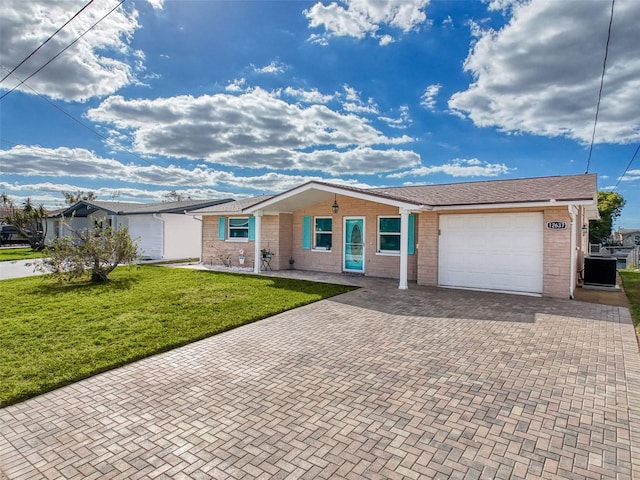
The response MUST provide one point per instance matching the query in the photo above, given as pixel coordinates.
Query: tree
(71, 198)
(174, 196)
(610, 206)
(30, 221)
(95, 252)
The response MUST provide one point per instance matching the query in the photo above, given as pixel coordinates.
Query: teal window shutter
(222, 228)
(252, 229)
(412, 234)
(306, 232)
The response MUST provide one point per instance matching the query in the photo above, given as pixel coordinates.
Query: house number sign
(557, 225)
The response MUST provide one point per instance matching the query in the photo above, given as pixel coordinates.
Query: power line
(604, 66)
(63, 50)
(84, 125)
(43, 43)
(628, 166)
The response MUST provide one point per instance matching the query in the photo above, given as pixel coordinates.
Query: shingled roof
(86, 207)
(561, 189)
(525, 190)
(232, 207)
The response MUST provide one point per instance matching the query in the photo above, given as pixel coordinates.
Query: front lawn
(21, 253)
(631, 285)
(54, 335)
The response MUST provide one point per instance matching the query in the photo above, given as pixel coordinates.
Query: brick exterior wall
(282, 234)
(376, 265)
(428, 248)
(275, 237)
(557, 255)
(214, 250)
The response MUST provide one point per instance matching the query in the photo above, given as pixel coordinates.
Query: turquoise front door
(353, 244)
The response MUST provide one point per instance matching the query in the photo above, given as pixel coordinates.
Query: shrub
(89, 251)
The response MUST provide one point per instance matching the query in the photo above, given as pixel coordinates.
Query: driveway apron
(377, 383)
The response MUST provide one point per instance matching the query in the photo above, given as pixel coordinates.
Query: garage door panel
(492, 251)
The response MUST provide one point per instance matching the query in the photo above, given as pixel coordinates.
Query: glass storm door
(354, 244)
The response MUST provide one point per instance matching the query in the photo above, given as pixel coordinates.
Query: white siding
(183, 236)
(148, 231)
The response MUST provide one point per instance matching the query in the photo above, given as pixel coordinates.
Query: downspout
(574, 253)
(157, 217)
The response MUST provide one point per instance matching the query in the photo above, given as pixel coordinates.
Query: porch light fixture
(585, 229)
(335, 207)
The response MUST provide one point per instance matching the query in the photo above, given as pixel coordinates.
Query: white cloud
(458, 167)
(237, 85)
(386, 40)
(630, 176)
(362, 18)
(354, 103)
(51, 194)
(308, 96)
(273, 67)
(156, 4)
(66, 163)
(401, 122)
(502, 5)
(99, 64)
(428, 98)
(540, 74)
(254, 130)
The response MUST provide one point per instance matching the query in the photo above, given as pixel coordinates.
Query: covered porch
(331, 221)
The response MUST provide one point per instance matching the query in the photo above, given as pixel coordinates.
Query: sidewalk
(17, 269)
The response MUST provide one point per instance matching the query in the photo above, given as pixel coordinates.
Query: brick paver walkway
(377, 383)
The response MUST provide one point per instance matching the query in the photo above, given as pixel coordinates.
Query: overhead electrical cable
(604, 66)
(63, 50)
(628, 166)
(88, 127)
(43, 43)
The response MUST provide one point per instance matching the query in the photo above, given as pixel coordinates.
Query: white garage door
(498, 251)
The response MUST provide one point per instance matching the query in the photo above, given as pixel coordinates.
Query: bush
(88, 252)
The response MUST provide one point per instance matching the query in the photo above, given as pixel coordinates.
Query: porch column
(404, 248)
(257, 245)
(574, 251)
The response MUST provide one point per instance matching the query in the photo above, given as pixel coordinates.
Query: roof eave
(536, 204)
(324, 187)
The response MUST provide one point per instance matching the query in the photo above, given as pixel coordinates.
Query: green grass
(54, 335)
(631, 285)
(22, 253)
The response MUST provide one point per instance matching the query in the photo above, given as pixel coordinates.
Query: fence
(633, 259)
(626, 257)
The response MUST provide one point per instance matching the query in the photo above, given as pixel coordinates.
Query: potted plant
(266, 253)
(291, 262)
(241, 256)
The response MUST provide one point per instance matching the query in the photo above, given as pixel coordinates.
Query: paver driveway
(377, 383)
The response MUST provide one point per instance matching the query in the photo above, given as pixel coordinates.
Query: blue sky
(238, 98)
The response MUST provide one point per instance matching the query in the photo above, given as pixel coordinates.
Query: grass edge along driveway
(54, 335)
(20, 253)
(631, 285)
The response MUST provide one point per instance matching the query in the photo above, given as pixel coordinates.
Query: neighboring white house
(162, 230)
(627, 237)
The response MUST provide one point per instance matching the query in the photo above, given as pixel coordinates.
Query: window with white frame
(238, 228)
(322, 233)
(389, 235)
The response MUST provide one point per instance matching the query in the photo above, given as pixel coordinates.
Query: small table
(266, 263)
